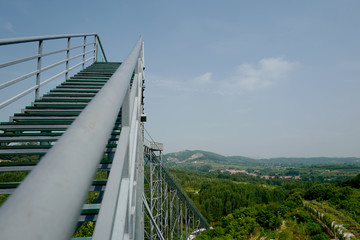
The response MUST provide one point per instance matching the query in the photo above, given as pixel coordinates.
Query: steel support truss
(168, 214)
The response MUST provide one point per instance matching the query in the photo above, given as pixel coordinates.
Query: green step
(54, 91)
(49, 113)
(4, 185)
(90, 209)
(81, 84)
(13, 163)
(85, 81)
(36, 122)
(78, 87)
(42, 134)
(41, 146)
(74, 95)
(63, 100)
(56, 106)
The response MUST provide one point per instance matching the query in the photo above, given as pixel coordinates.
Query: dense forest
(244, 207)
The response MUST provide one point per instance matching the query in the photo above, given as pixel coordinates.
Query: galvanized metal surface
(117, 217)
(37, 38)
(76, 156)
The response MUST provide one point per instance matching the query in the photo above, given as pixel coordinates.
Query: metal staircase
(38, 127)
(36, 130)
(74, 164)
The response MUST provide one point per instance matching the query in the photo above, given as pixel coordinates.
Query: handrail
(40, 55)
(40, 39)
(38, 205)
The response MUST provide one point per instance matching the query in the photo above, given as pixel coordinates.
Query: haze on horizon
(252, 78)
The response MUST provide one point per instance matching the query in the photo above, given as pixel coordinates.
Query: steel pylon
(169, 213)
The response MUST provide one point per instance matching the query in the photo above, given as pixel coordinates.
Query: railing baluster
(37, 90)
(67, 57)
(84, 52)
(95, 49)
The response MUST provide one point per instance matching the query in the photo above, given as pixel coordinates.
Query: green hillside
(321, 169)
(196, 156)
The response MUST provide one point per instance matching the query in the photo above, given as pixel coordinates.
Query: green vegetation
(86, 229)
(240, 206)
(19, 158)
(244, 204)
(312, 169)
(187, 156)
(353, 182)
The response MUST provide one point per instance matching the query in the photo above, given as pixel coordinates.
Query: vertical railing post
(165, 209)
(193, 215)
(95, 48)
(171, 227)
(151, 194)
(186, 222)
(67, 58)
(37, 90)
(178, 217)
(84, 50)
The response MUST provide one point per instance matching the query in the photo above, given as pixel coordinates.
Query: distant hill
(188, 156)
(189, 159)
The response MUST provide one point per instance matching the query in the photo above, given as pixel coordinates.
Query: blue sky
(252, 78)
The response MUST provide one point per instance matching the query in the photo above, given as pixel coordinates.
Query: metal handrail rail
(38, 205)
(40, 55)
(119, 196)
(11, 82)
(40, 39)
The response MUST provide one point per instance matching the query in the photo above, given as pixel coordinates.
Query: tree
(313, 229)
(268, 219)
(321, 192)
(320, 236)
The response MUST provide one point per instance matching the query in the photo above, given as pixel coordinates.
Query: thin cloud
(8, 26)
(170, 83)
(265, 73)
(205, 78)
